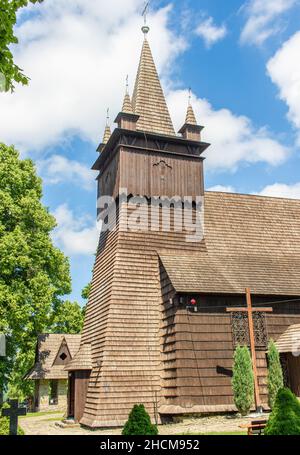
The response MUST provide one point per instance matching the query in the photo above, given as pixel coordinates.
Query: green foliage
(4, 423)
(285, 417)
(243, 380)
(86, 291)
(139, 423)
(68, 318)
(8, 19)
(275, 375)
(33, 273)
(4, 427)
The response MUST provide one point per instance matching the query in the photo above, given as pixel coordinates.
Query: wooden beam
(250, 310)
(245, 310)
(252, 346)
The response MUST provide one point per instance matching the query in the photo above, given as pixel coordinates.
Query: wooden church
(157, 328)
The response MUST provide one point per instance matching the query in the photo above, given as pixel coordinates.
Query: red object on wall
(193, 302)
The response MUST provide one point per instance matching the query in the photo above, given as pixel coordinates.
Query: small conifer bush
(139, 423)
(243, 380)
(285, 417)
(275, 376)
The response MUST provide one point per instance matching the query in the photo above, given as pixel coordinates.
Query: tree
(8, 18)
(86, 291)
(139, 423)
(285, 417)
(275, 376)
(33, 273)
(243, 380)
(68, 318)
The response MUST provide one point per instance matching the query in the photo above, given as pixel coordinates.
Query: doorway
(71, 396)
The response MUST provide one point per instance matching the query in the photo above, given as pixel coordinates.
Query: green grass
(40, 414)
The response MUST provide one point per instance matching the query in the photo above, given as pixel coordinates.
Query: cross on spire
(145, 12)
(145, 28)
(190, 96)
(107, 117)
(127, 84)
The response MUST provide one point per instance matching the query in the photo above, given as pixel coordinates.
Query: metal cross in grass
(13, 413)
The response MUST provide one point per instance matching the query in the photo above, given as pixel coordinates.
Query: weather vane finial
(107, 117)
(127, 84)
(145, 28)
(190, 96)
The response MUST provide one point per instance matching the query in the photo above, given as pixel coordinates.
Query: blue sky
(241, 59)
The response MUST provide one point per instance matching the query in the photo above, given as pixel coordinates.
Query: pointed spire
(148, 98)
(107, 134)
(107, 131)
(191, 130)
(190, 116)
(127, 105)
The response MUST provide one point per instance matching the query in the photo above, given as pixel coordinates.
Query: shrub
(285, 417)
(139, 423)
(275, 376)
(4, 424)
(243, 380)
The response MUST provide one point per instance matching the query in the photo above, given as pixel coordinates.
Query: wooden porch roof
(289, 341)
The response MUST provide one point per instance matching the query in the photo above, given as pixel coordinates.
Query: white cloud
(282, 190)
(234, 139)
(264, 19)
(75, 236)
(77, 54)
(222, 189)
(58, 169)
(210, 32)
(284, 70)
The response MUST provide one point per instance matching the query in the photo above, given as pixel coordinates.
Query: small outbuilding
(288, 345)
(53, 353)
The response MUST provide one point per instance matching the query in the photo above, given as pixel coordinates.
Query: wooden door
(71, 395)
(81, 387)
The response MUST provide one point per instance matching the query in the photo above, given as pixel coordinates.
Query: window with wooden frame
(53, 392)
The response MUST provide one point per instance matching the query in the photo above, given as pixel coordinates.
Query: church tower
(124, 358)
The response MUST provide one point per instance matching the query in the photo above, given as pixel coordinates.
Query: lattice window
(240, 329)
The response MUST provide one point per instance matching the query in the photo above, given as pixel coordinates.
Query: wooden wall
(158, 174)
(198, 352)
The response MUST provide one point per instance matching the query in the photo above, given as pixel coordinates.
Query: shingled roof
(82, 360)
(148, 98)
(250, 241)
(48, 346)
(289, 341)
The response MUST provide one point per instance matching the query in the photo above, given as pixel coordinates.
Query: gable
(63, 356)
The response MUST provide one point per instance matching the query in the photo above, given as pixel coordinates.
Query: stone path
(45, 425)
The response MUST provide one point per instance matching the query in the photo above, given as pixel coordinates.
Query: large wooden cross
(13, 413)
(250, 310)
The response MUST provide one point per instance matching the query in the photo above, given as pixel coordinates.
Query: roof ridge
(254, 196)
